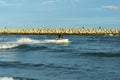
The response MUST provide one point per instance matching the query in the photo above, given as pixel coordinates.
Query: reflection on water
(10, 56)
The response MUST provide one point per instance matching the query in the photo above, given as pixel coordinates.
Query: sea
(41, 57)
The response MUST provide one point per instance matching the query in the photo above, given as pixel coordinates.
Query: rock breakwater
(67, 31)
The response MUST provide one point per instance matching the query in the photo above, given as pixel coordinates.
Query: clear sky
(59, 13)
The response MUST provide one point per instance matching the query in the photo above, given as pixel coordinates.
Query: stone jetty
(66, 31)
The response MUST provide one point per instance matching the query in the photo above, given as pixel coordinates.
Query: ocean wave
(22, 46)
(5, 46)
(101, 54)
(35, 66)
(8, 45)
(66, 50)
(5, 64)
(31, 47)
(29, 43)
(15, 78)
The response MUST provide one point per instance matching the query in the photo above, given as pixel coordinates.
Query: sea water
(31, 57)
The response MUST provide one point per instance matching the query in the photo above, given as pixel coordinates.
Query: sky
(59, 13)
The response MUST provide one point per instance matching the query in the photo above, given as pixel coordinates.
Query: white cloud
(110, 7)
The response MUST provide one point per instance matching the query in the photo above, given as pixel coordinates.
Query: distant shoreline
(65, 31)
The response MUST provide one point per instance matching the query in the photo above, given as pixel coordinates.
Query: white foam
(27, 40)
(111, 35)
(57, 41)
(8, 45)
(21, 41)
(6, 78)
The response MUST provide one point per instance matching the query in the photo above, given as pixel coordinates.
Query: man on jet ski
(59, 37)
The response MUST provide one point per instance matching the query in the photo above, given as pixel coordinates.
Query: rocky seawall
(67, 31)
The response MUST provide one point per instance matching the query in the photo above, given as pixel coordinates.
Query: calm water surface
(31, 57)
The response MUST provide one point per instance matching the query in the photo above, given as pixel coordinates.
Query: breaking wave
(8, 45)
(6, 78)
(15, 78)
(19, 43)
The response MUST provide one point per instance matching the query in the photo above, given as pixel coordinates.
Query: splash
(27, 40)
(21, 41)
(15, 78)
(6, 78)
